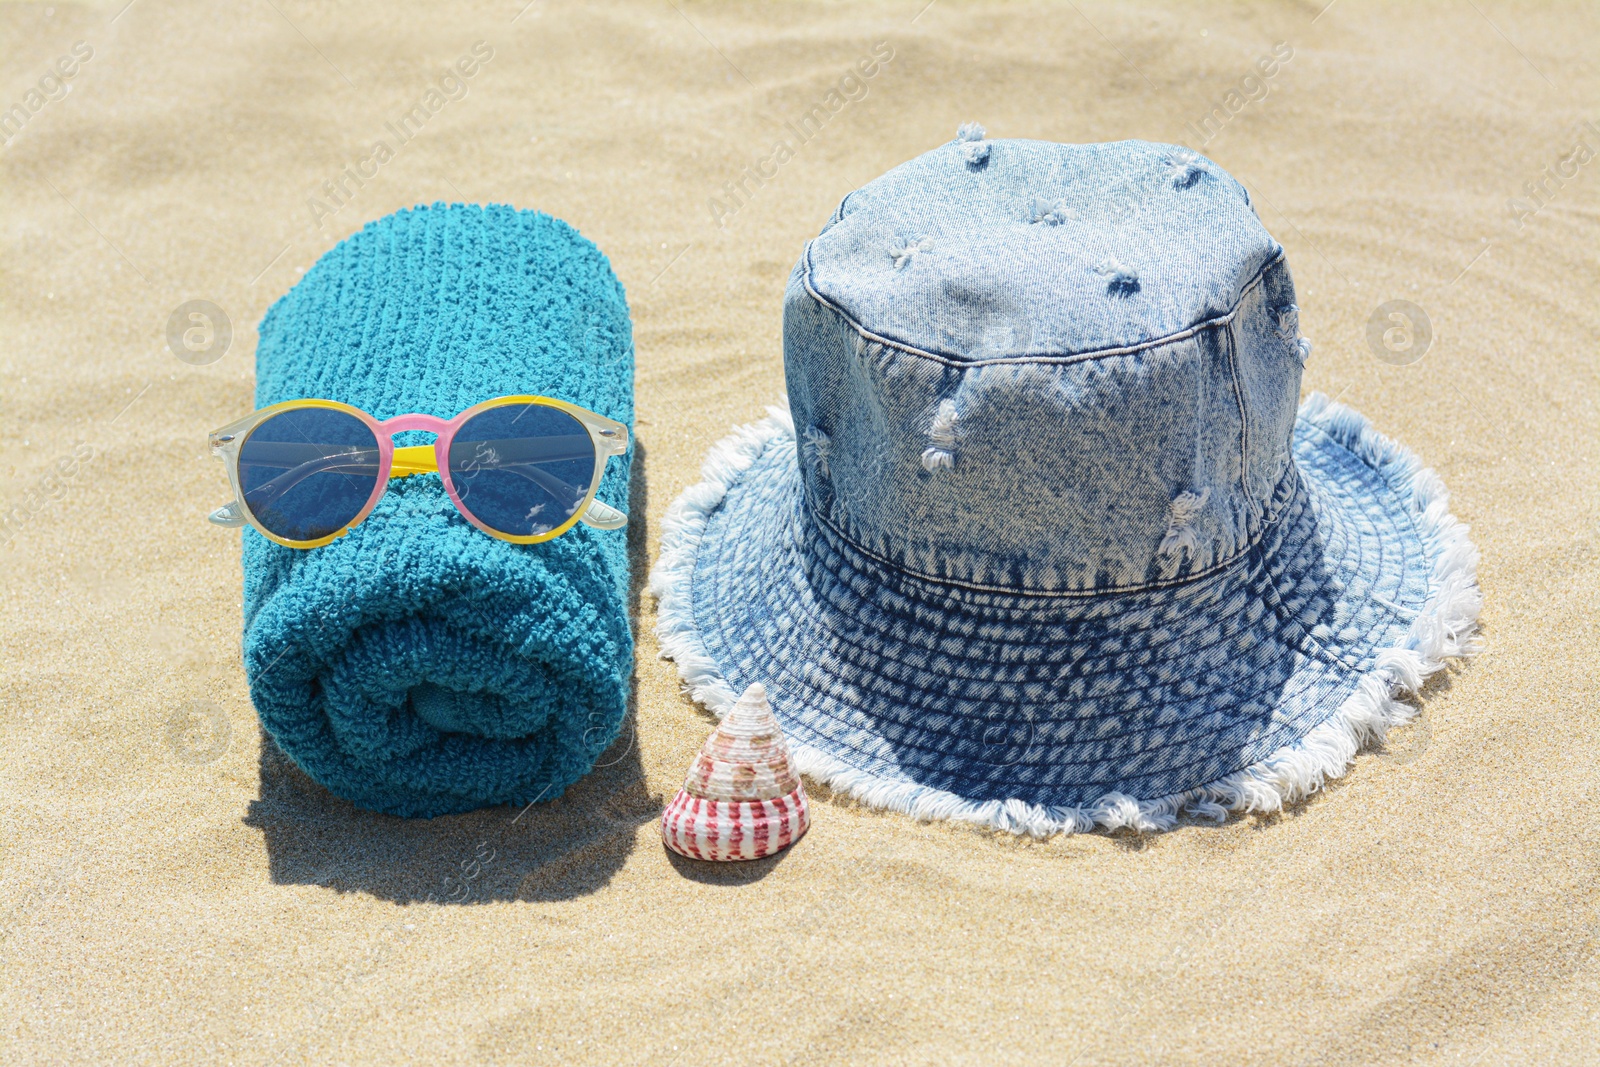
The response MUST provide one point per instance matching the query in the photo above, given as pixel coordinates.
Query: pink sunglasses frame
(609, 436)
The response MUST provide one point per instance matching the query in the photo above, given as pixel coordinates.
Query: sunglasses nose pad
(229, 514)
(603, 516)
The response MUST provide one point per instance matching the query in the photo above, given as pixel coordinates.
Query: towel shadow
(558, 850)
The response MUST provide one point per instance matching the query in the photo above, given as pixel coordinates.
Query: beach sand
(172, 891)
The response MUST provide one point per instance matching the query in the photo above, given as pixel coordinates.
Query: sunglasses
(520, 468)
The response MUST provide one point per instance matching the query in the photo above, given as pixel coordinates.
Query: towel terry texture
(417, 666)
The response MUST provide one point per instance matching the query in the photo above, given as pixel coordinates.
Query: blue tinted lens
(522, 469)
(308, 472)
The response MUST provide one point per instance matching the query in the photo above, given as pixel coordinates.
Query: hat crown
(1047, 368)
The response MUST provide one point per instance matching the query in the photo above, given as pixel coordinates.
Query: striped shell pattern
(742, 798)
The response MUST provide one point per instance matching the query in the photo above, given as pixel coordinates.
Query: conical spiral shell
(742, 798)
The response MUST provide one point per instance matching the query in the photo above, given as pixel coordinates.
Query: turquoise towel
(417, 666)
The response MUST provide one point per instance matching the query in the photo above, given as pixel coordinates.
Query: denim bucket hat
(1044, 539)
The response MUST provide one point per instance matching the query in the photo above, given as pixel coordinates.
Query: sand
(171, 891)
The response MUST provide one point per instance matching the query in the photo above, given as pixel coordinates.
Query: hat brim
(1242, 690)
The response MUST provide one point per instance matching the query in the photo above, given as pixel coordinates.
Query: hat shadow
(557, 850)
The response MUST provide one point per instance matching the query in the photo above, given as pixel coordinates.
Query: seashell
(742, 798)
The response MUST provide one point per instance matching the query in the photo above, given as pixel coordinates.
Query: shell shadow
(732, 872)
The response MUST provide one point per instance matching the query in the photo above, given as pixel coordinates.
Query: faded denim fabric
(1048, 527)
(1079, 407)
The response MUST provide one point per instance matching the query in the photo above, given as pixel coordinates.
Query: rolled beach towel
(418, 666)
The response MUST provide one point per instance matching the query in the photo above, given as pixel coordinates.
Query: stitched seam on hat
(1307, 643)
(957, 583)
(1244, 424)
(1364, 461)
(1060, 359)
